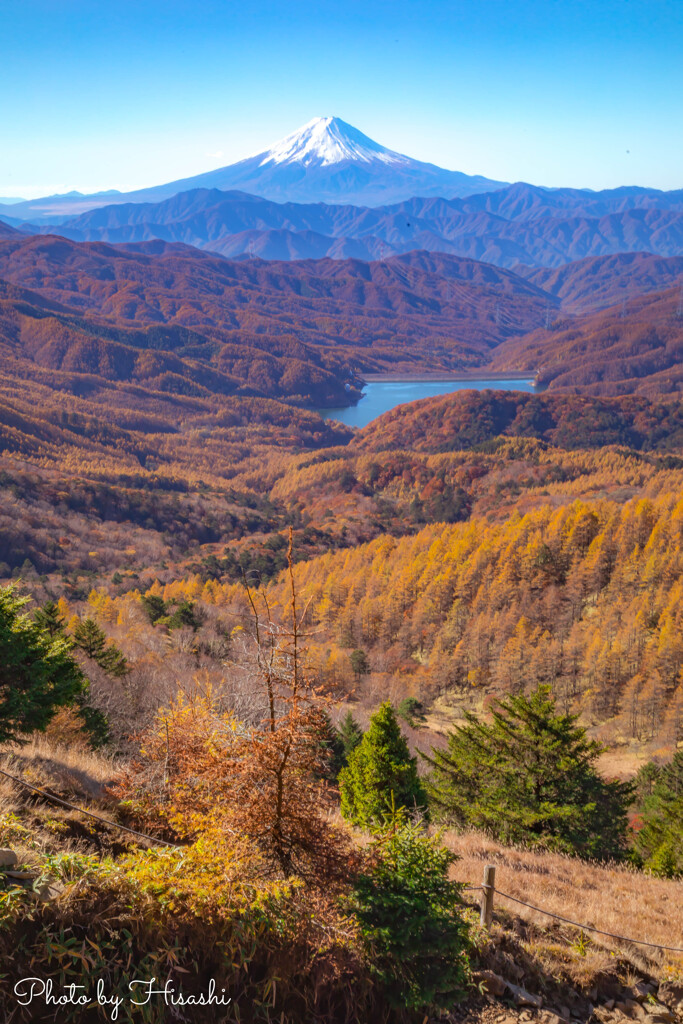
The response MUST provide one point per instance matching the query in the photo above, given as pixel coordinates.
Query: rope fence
(588, 927)
(487, 888)
(89, 814)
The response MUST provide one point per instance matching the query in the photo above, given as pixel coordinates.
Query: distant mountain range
(326, 161)
(328, 190)
(517, 225)
(204, 292)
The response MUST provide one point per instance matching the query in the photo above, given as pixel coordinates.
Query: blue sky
(99, 94)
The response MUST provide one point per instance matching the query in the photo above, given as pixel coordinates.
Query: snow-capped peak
(329, 140)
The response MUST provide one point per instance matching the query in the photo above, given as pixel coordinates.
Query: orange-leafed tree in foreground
(203, 770)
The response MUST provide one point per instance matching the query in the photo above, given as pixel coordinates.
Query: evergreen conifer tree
(90, 638)
(184, 615)
(155, 606)
(93, 642)
(333, 746)
(529, 776)
(49, 619)
(646, 781)
(350, 733)
(411, 711)
(380, 774)
(659, 841)
(672, 775)
(38, 674)
(410, 914)
(359, 663)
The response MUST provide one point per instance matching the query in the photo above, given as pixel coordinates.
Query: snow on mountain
(329, 140)
(326, 161)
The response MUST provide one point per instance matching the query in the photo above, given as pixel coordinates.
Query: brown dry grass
(611, 897)
(66, 766)
(33, 825)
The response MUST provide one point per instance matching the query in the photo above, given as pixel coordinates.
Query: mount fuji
(326, 161)
(330, 161)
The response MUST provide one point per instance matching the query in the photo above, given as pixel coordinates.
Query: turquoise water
(380, 396)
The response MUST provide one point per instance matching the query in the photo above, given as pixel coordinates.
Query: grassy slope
(568, 970)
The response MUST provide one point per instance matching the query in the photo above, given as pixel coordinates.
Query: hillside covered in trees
(172, 318)
(633, 347)
(167, 318)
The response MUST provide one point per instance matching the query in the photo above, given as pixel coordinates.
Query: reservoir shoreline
(459, 377)
(382, 392)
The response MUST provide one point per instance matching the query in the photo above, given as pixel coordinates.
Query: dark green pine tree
(90, 638)
(95, 723)
(184, 615)
(646, 781)
(529, 776)
(380, 774)
(671, 778)
(659, 841)
(114, 662)
(38, 674)
(350, 734)
(333, 746)
(93, 642)
(359, 663)
(49, 619)
(155, 607)
(410, 916)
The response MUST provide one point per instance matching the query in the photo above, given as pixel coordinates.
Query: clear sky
(100, 94)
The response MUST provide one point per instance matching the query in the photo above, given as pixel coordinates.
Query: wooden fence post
(487, 891)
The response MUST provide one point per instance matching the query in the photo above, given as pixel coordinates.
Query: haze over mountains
(327, 160)
(234, 224)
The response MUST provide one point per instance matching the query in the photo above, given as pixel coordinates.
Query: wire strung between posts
(588, 927)
(174, 846)
(89, 814)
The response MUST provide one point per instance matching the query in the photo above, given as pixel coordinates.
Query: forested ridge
(632, 347)
(170, 319)
(469, 419)
(550, 498)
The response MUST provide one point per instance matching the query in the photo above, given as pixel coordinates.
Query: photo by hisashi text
(142, 992)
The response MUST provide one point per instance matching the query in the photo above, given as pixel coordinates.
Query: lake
(380, 396)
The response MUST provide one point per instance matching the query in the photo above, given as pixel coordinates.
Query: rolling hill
(7, 231)
(472, 419)
(602, 281)
(171, 317)
(174, 319)
(633, 347)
